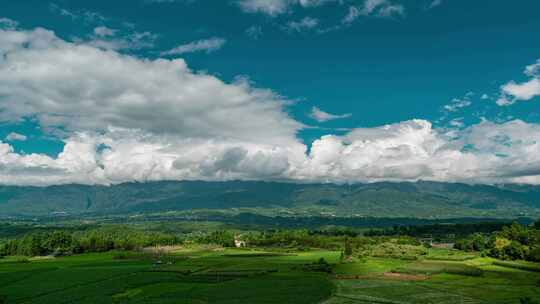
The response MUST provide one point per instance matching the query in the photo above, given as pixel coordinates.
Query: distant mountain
(420, 199)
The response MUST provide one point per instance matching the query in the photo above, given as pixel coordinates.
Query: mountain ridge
(417, 199)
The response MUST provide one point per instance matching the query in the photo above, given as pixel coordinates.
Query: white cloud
(533, 69)
(276, 7)
(352, 15)
(522, 91)
(113, 39)
(84, 15)
(103, 31)
(434, 4)
(322, 116)
(268, 7)
(513, 92)
(169, 1)
(129, 118)
(125, 38)
(458, 103)
(13, 136)
(412, 150)
(254, 32)
(375, 8)
(7, 23)
(206, 45)
(382, 8)
(457, 122)
(306, 23)
(150, 113)
(389, 11)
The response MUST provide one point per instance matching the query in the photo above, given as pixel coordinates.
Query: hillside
(421, 199)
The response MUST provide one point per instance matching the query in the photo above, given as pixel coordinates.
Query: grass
(437, 254)
(527, 266)
(215, 275)
(436, 267)
(199, 275)
(477, 280)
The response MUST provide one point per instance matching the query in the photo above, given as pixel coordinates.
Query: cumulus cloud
(322, 116)
(70, 90)
(14, 136)
(513, 92)
(413, 150)
(206, 45)
(135, 119)
(150, 114)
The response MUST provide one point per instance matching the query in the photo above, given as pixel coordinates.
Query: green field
(196, 276)
(212, 274)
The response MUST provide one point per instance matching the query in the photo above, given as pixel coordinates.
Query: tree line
(512, 242)
(65, 242)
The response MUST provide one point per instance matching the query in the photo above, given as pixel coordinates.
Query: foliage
(60, 243)
(513, 242)
(348, 251)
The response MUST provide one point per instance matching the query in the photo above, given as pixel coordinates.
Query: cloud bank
(134, 119)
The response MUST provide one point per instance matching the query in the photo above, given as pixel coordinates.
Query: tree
(534, 254)
(348, 248)
(537, 224)
(514, 251)
(478, 242)
(527, 300)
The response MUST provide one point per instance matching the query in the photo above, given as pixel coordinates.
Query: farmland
(213, 274)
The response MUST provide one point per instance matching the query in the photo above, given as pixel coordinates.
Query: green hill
(420, 199)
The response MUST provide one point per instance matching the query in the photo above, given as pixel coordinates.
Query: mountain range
(407, 199)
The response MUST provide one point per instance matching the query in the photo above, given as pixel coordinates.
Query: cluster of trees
(302, 239)
(438, 230)
(271, 238)
(223, 238)
(513, 242)
(283, 238)
(61, 242)
(292, 238)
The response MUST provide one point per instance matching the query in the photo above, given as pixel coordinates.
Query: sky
(340, 91)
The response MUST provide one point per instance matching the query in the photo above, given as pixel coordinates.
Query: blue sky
(334, 67)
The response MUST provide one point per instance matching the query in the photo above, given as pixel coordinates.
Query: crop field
(217, 275)
(455, 280)
(196, 276)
